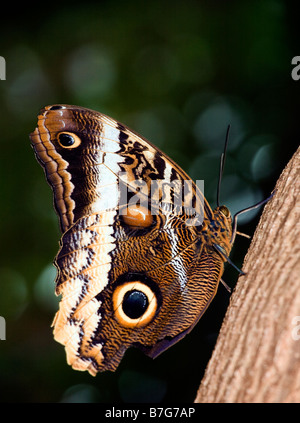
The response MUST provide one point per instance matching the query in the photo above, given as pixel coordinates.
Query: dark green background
(177, 72)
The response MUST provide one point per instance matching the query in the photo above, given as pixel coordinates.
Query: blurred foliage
(177, 72)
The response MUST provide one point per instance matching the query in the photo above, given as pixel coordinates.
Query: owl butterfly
(140, 257)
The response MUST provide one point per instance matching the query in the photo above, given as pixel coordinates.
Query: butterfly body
(137, 264)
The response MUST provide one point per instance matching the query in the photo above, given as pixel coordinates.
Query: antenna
(260, 203)
(222, 165)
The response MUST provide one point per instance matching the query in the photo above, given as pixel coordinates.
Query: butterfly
(141, 253)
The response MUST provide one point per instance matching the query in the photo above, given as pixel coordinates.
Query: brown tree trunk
(257, 355)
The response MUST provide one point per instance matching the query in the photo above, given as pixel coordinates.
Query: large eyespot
(136, 216)
(134, 303)
(68, 140)
(225, 211)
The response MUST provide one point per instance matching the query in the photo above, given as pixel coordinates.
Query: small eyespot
(225, 211)
(134, 303)
(136, 216)
(56, 107)
(68, 140)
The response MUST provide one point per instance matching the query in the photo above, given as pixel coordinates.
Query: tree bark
(257, 355)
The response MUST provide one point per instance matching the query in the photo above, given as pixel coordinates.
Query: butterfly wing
(131, 272)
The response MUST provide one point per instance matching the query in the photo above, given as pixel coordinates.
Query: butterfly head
(221, 229)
